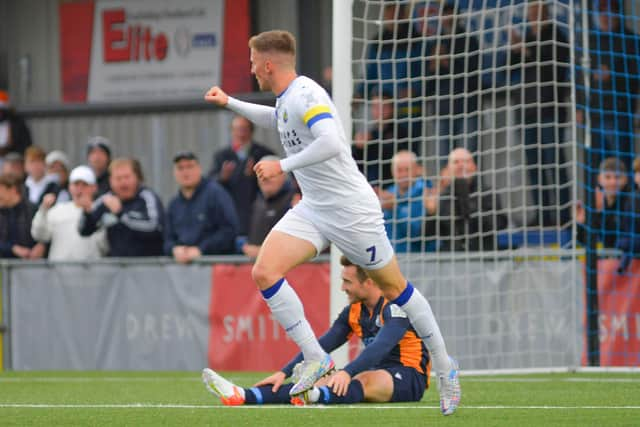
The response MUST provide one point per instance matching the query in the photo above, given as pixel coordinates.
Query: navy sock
(263, 395)
(355, 394)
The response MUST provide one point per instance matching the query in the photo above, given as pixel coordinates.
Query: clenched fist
(216, 96)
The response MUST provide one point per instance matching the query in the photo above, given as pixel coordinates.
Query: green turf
(84, 398)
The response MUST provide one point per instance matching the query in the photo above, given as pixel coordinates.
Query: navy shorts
(408, 384)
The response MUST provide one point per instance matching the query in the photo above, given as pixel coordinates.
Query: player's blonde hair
(279, 41)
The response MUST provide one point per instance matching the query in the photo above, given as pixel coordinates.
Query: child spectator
(611, 199)
(38, 182)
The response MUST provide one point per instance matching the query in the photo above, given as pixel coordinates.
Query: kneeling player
(393, 367)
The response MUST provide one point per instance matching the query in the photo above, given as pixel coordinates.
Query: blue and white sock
(287, 309)
(424, 322)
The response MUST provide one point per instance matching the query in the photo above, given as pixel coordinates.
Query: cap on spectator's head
(184, 155)
(99, 142)
(612, 6)
(84, 174)
(14, 156)
(57, 156)
(4, 99)
(613, 164)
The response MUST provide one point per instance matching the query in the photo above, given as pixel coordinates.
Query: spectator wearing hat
(16, 214)
(58, 224)
(38, 182)
(57, 164)
(98, 158)
(131, 213)
(201, 218)
(14, 133)
(233, 168)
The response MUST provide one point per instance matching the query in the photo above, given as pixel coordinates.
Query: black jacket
(544, 74)
(243, 188)
(469, 217)
(619, 52)
(267, 212)
(20, 135)
(135, 231)
(374, 159)
(457, 84)
(15, 227)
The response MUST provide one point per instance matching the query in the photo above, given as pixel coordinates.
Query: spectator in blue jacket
(402, 204)
(131, 213)
(201, 219)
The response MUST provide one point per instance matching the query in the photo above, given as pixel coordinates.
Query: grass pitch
(180, 399)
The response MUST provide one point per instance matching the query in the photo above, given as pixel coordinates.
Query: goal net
(463, 118)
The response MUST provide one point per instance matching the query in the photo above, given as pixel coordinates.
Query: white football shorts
(357, 230)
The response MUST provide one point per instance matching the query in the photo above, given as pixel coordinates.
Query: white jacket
(59, 225)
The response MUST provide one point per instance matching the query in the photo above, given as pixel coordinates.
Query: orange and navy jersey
(388, 330)
(388, 337)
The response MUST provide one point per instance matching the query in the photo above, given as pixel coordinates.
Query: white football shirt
(330, 183)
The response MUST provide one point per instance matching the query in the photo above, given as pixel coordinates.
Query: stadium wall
(151, 314)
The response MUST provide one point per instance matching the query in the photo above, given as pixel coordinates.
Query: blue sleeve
(89, 220)
(389, 335)
(222, 211)
(337, 335)
(169, 233)
(145, 218)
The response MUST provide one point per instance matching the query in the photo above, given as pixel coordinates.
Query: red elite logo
(122, 43)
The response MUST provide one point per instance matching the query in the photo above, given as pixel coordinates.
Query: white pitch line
(550, 380)
(92, 379)
(197, 379)
(313, 407)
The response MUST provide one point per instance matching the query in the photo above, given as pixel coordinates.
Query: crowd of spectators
(103, 208)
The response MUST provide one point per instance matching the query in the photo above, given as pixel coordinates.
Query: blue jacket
(207, 220)
(135, 231)
(404, 223)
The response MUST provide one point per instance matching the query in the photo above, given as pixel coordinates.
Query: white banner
(155, 49)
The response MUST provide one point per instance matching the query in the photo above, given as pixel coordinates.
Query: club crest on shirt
(285, 116)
